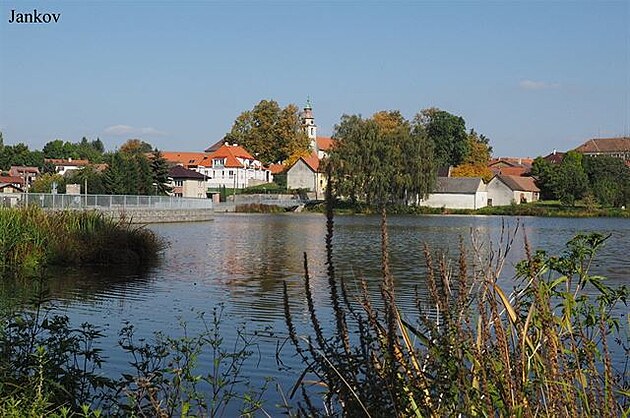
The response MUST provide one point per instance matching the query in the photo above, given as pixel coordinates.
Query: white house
(457, 193)
(231, 166)
(187, 183)
(63, 166)
(504, 190)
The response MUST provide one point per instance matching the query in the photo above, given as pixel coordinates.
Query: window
(179, 183)
(231, 173)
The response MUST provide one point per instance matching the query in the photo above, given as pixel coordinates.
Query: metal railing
(285, 200)
(104, 202)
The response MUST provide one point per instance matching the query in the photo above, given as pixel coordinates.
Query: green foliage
(87, 174)
(269, 132)
(19, 154)
(609, 179)
(31, 239)
(447, 132)
(44, 183)
(159, 173)
(380, 160)
(84, 149)
(571, 182)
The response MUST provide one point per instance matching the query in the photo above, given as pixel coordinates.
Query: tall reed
(472, 349)
(31, 238)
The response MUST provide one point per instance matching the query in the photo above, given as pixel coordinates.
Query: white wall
(456, 200)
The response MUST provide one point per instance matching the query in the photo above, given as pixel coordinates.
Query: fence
(103, 202)
(284, 200)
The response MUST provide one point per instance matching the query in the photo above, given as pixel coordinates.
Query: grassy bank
(31, 238)
(544, 209)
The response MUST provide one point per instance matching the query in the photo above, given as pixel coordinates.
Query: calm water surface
(240, 261)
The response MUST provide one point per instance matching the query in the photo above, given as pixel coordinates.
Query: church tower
(308, 124)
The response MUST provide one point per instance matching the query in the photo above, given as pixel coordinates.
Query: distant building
(612, 147)
(555, 157)
(511, 166)
(27, 174)
(63, 166)
(505, 190)
(457, 193)
(187, 183)
(231, 166)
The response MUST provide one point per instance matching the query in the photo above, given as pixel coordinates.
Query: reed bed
(31, 238)
(473, 349)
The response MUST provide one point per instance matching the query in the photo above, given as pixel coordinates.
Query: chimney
(554, 151)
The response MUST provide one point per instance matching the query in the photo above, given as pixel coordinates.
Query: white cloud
(537, 85)
(126, 130)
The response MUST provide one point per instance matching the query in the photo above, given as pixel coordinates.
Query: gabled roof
(179, 172)
(605, 145)
(511, 161)
(215, 146)
(555, 157)
(16, 169)
(312, 161)
(13, 186)
(459, 185)
(517, 183)
(231, 153)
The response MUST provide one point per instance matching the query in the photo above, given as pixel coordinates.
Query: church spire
(308, 124)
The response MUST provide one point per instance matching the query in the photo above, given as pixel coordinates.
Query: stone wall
(149, 216)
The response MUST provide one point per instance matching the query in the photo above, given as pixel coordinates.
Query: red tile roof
(324, 143)
(605, 145)
(69, 162)
(12, 180)
(312, 161)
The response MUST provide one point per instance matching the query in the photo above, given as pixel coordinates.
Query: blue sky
(532, 76)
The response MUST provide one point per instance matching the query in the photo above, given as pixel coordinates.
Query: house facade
(231, 166)
(304, 174)
(27, 174)
(187, 183)
(505, 190)
(457, 193)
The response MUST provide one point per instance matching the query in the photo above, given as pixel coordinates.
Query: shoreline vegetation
(32, 239)
(541, 209)
(470, 348)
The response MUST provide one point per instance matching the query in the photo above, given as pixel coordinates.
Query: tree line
(601, 179)
(136, 168)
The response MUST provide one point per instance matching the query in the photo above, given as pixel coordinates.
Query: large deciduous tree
(269, 132)
(447, 132)
(609, 179)
(380, 160)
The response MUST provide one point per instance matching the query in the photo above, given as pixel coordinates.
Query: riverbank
(31, 238)
(542, 209)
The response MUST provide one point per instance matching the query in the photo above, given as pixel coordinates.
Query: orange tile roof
(231, 153)
(312, 161)
(324, 143)
(510, 171)
(276, 168)
(184, 158)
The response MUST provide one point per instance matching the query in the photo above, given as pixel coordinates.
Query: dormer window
(218, 162)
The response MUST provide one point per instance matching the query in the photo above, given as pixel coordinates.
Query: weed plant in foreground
(31, 238)
(473, 349)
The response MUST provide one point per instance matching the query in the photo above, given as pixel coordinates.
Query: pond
(240, 261)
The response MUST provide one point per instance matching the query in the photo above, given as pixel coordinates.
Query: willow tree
(381, 160)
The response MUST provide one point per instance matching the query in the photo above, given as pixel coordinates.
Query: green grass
(31, 238)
